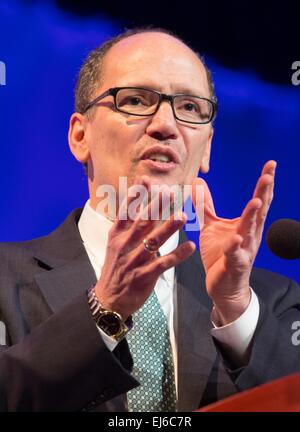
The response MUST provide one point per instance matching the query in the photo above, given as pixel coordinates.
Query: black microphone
(283, 238)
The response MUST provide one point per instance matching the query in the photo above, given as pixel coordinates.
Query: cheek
(193, 167)
(107, 139)
(196, 146)
(114, 143)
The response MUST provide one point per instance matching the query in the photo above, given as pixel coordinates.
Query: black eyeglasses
(139, 101)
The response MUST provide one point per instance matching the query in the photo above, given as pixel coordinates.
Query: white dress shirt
(94, 228)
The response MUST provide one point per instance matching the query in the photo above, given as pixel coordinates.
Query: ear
(77, 137)
(204, 167)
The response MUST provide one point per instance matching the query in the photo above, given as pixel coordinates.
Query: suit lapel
(196, 350)
(65, 272)
(60, 285)
(69, 271)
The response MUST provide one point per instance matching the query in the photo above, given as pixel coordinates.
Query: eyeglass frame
(113, 91)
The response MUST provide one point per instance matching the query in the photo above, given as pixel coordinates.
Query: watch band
(108, 321)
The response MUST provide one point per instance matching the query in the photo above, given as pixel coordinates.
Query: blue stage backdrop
(43, 49)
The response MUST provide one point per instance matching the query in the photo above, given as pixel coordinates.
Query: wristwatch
(108, 321)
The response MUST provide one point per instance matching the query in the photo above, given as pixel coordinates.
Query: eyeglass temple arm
(94, 101)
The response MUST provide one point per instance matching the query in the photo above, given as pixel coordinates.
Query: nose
(163, 124)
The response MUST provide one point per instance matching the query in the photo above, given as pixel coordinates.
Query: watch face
(109, 323)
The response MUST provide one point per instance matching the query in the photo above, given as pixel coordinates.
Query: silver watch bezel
(98, 311)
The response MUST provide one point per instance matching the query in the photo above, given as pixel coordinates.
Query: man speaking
(114, 313)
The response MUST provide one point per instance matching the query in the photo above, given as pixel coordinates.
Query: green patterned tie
(150, 347)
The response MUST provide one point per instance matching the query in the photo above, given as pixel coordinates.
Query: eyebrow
(183, 90)
(189, 91)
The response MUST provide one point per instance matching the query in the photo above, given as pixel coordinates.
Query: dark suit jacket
(55, 360)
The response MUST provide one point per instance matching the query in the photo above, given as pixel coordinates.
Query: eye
(133, 100)
(194, 109)
(187, 105)
(190, 106)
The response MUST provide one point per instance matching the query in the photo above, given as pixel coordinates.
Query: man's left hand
(229, 246)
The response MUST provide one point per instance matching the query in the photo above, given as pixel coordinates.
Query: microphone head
(283, 238)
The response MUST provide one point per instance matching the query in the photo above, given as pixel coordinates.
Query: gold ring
(148, 247)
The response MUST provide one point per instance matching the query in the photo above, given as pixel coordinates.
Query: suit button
(99, 398)
(105, 394)
(90, 406)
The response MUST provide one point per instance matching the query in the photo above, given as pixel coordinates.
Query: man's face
(117, 142)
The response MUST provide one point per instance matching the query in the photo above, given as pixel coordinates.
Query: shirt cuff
(109, 341)
(236, 336)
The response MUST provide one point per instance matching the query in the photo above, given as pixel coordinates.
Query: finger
(247, 224)
(261, 189)
(269, 167)
(157, 237)
(267, 177)
(141, 187)
(203, 202)
(160, 204)
(265, 192)
(150, 216)
(163, 263)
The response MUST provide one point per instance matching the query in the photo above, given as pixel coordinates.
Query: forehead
(154, 60)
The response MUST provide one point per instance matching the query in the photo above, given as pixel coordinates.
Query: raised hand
(130, 271)
(229, 246)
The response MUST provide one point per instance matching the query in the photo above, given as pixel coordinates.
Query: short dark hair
(91, 72)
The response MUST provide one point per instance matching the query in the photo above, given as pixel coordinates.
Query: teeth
(159, 157)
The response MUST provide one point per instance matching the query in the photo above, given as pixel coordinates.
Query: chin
(163, 180)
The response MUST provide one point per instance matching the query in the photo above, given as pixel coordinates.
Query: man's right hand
(130, 272)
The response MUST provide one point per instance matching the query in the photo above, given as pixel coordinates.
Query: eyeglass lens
(144, 102)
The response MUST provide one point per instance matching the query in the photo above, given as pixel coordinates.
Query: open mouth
(160, 158)
(160, 154)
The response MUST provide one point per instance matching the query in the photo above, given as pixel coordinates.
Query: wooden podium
(281, 395)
